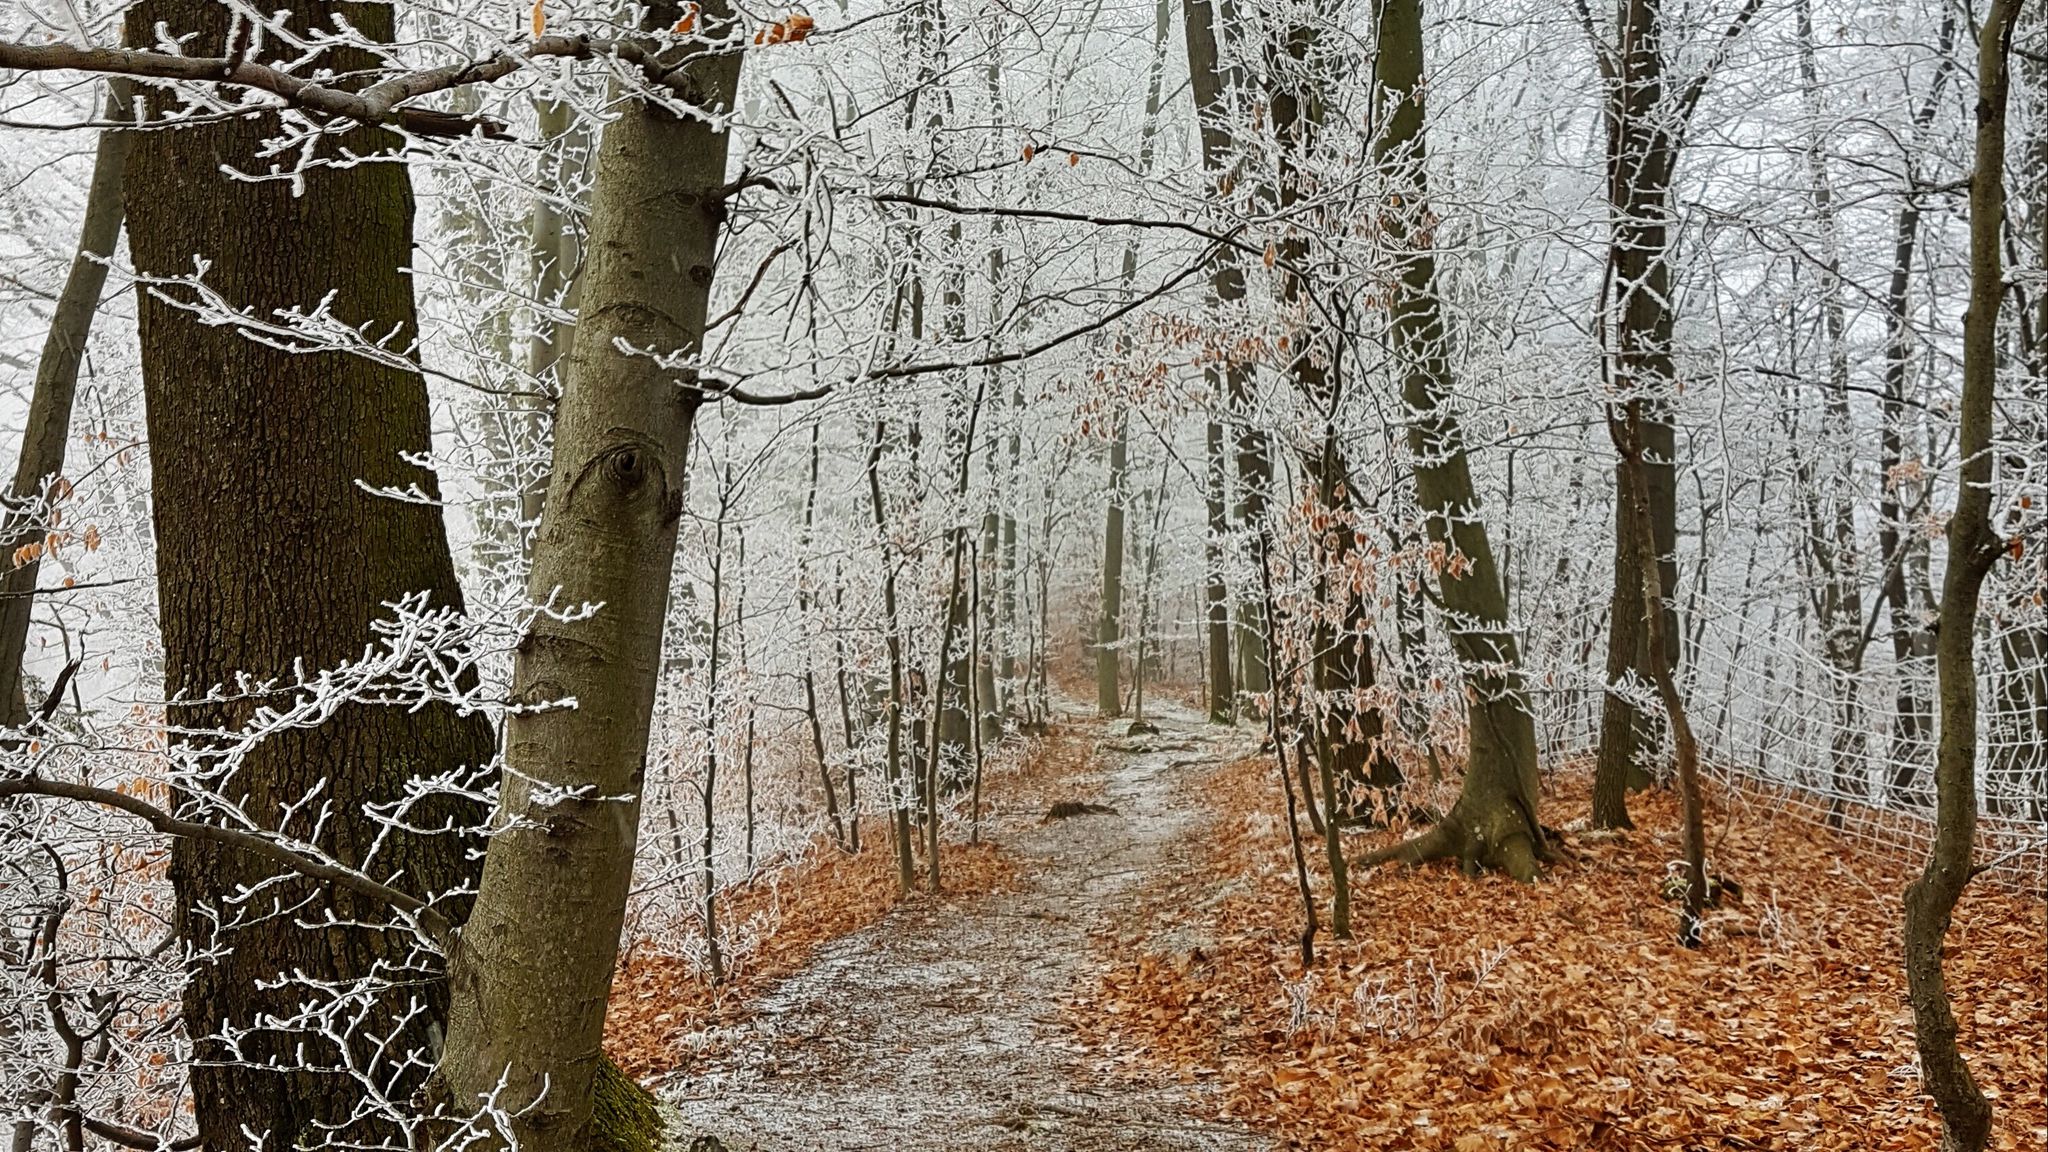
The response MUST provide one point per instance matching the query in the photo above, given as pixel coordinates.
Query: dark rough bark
(269, 552)
(1350, 741)
(1973, 546)
(1494, 822)
(48, 427)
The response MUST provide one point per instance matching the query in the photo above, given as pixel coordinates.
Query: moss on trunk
(623, 1115)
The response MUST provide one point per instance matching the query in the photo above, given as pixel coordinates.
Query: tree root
(1435, 844)
(624, 1117)
(1513, 852)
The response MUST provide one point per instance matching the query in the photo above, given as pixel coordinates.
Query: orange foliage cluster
(1473, 1014)
(658, 1000)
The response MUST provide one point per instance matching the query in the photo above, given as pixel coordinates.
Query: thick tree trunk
(270, 553)
(48, 428)
(1973, 546)
(531, 976)
(1494, 823)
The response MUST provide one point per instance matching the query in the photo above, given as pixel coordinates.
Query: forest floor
(1132, 981)
(1474, 1014)
(946, 1023)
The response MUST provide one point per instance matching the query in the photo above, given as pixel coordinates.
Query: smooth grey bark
(555, 257)
(1973, 547)
(534, 965)
(48, 428)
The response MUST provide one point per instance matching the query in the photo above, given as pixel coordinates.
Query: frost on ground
(941, 1027)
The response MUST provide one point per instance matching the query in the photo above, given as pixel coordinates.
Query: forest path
(941, 1027)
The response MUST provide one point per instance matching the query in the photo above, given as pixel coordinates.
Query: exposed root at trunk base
(623, 1115)
(1502, 843)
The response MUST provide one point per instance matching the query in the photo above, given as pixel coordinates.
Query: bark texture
(1109, 622)
(530, 979)
(269, 552)
(1222, 683)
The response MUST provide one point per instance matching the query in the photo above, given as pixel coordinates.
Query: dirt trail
(940, 1027)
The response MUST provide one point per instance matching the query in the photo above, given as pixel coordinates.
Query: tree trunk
(893, 757)
(1973, 546)
(1349, 739)
(1109, 629)
(1215, 593)
(1833, 539)
(806, 602)
(1641, 159)
(1494, 823)
(48, 428)
(270, 553)
(531, 977)
(1908, 590)
(555, 254)
(1109, 623)
(1635, 499)
(1226, 288)
(988, 713)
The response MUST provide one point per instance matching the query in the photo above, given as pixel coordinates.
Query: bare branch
(377, 104)
(431, 922)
